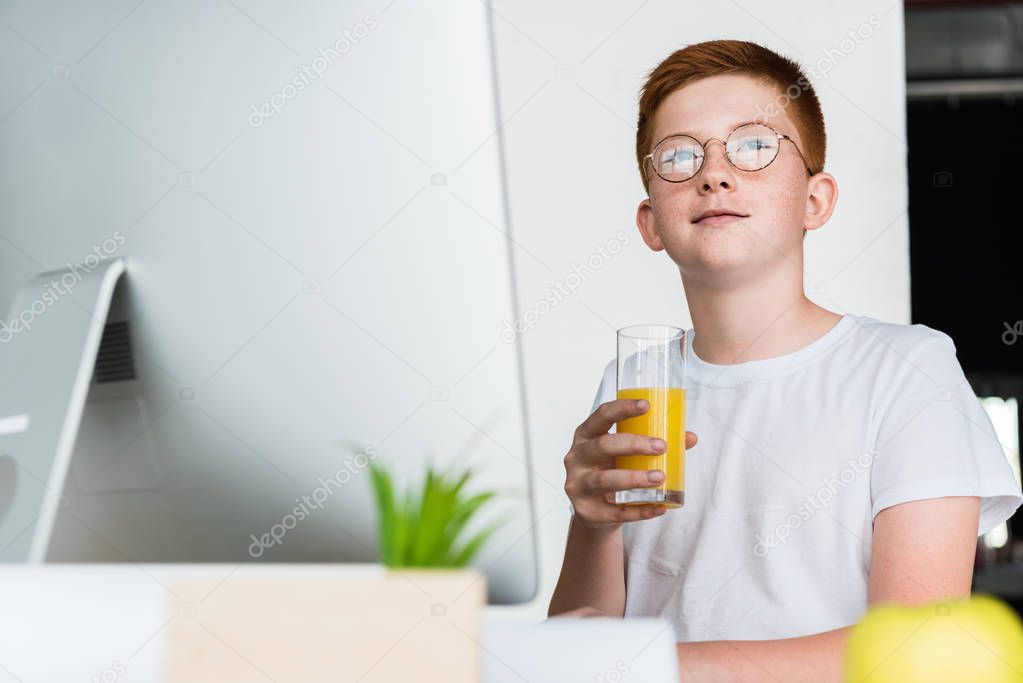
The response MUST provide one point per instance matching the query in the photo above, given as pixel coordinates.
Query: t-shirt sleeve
(935, 438)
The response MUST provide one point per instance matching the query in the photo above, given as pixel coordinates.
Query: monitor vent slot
(115, 361)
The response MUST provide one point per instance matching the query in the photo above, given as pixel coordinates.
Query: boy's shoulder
(899, 338)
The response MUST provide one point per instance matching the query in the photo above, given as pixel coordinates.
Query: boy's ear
(647, 224)
(822, 195)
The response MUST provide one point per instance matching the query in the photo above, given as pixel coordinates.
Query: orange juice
(665, 419)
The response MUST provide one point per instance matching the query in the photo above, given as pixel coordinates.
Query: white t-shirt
(796, 455)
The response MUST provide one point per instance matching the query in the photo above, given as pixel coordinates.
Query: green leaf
(456, 514)
(464, 511)
(384, 492)
(438, 500)
(404, 529)
(461, 482)
(473, 546)
(425, 513)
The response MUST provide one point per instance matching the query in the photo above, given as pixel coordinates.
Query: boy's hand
(581, 612)
(591, 479)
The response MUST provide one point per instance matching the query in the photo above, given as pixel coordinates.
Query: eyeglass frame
(703, 146)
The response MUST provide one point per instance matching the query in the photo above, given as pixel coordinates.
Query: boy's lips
(717, 216)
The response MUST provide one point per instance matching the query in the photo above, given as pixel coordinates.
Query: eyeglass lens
(749, 147)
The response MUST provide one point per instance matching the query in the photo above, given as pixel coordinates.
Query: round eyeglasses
(749, 147)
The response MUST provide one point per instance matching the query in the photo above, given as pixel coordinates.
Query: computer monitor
(309, 209)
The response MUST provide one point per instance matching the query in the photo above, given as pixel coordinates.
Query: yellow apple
(978, 638)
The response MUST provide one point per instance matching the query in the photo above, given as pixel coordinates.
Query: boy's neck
(754, 322)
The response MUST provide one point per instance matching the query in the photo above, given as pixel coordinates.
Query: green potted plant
(426, 528)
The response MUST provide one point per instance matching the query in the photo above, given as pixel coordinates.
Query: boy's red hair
(715, 57)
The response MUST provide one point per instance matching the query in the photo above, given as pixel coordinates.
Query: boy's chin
(722, 264)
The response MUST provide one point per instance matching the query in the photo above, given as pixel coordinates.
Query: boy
(844, 461)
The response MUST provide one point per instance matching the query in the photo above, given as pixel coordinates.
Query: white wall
(559, 217)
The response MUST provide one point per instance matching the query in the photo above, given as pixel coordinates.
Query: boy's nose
(717, 170)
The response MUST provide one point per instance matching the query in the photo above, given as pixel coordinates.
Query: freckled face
(773, 199)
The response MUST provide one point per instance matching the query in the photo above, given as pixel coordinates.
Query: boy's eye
(682, 158)
(754, 144)
(753, 151)
(684, 154)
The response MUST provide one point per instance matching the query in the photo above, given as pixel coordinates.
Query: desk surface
(115, 622)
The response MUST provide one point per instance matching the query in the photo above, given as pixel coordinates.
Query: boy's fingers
(607, 481)
(586, 611)
(599, 452)
(606, 414)
(603, 512)
(636, 513)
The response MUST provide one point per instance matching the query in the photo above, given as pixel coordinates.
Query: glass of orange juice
(652, 365)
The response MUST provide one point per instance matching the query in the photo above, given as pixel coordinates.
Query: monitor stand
(48, 348)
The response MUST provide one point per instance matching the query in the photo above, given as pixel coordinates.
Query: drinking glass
(652, 366)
